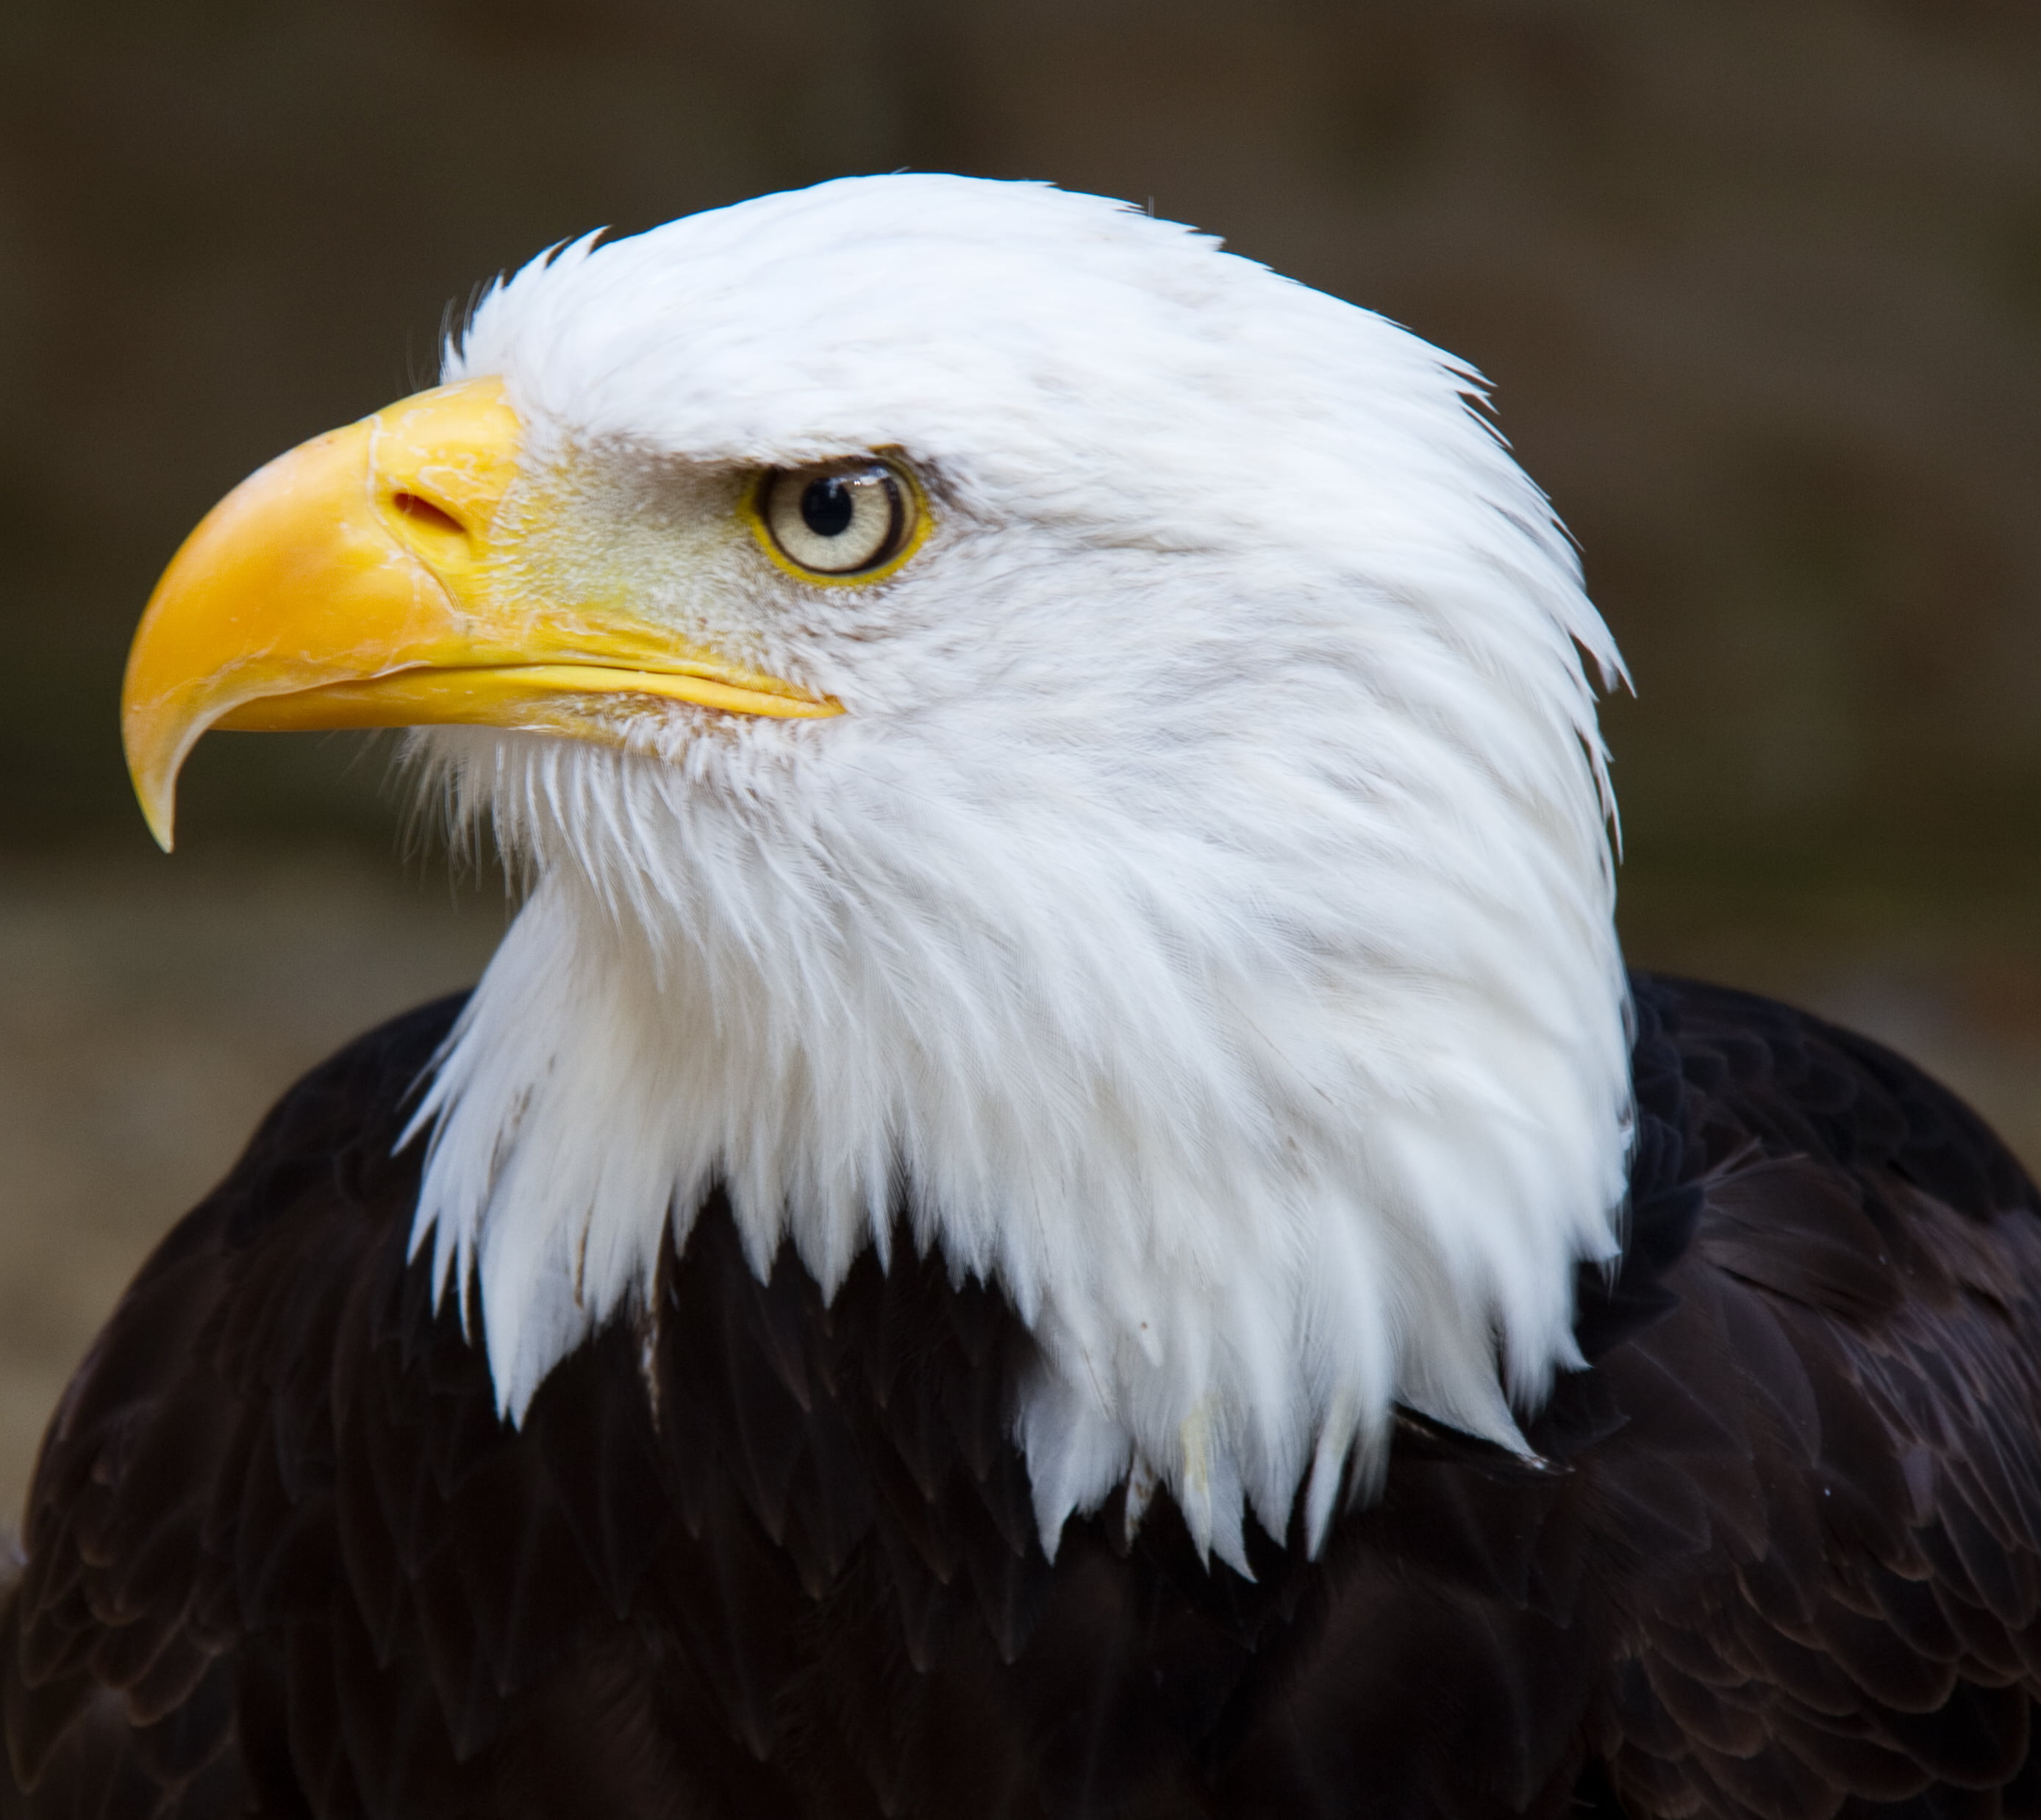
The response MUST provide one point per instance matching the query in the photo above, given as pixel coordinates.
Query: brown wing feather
(1852, 1626)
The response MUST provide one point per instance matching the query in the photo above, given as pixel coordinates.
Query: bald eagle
(1057, 1203)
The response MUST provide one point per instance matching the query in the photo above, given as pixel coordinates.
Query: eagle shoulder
(1826, 1479)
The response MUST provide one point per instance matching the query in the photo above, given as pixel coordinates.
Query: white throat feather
(1199, 922)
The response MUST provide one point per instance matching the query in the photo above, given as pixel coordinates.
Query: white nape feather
(1200, 919)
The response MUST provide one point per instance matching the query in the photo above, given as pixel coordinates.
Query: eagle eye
(847, 520)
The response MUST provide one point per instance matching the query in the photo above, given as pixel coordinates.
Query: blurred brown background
(1759, 284)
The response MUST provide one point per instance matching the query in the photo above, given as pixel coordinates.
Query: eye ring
(851, 521)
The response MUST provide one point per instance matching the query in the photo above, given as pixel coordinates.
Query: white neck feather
(1257, 1149)
(1199, 922)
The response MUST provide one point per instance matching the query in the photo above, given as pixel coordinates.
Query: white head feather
(1200, 919)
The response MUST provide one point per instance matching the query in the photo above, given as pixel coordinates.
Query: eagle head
(1028, 735)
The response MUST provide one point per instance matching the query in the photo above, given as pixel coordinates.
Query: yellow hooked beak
(348, 584)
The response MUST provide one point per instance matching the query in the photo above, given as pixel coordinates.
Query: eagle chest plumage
(753, 1552)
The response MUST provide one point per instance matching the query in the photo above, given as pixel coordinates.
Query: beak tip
(159, 810)
(156, 755)
(161, 829)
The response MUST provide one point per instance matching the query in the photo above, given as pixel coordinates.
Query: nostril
(427, 516)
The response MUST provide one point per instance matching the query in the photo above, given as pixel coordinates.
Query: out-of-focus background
(1758, 284)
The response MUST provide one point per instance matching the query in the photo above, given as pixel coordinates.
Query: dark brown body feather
(283, 1560)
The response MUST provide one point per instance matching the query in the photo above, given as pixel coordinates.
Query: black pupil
(827, 506)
